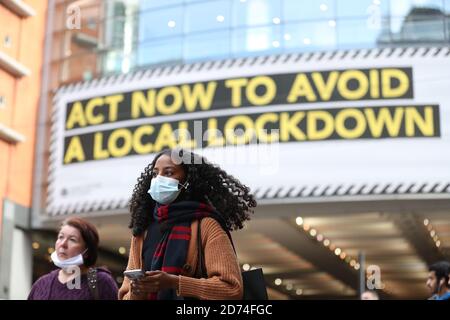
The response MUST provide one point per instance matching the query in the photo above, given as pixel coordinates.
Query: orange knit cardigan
(224, 277)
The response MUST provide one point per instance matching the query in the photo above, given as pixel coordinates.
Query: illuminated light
(299, 221)
(323, 7)
(332, 247)
(307, 41)
(435, 238)
(171, 24)
(220, 18)
(352, 263)
(348, 259)
(299, 292)
(426, 222)
(432, 233)
(287, 36)
(119, 279)
(276, 20)
(50, 250)
(242, 1)
(246, 267)
(319, 237)
(278, 281)
(357, 266)
(337, 251)
(275, 44)
(306, 227)
(376, 2)
(343, 255)
(438, 243)
(332, 23)
(35, 245)
(430, 227)
(289, 286)
(313, 232)
(122, 250)
(326, 242)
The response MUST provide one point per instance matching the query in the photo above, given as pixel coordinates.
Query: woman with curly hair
(177, 195)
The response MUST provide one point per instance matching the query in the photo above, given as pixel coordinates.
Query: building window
(2, 102)
(207, 16)
(7, 41)
(215, 44)
(308, 36)
(167, 51)
(295, 10)
(256, 12)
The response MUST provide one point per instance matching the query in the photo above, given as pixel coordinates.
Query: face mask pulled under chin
(73, 261)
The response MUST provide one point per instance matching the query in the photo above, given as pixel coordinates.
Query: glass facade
(117, 36)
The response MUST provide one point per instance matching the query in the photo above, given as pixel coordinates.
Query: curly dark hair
(207, 183)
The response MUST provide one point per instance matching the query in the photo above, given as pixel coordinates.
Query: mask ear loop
(82, 254)
(185, 185)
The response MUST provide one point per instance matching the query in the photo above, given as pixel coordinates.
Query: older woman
(76, 279)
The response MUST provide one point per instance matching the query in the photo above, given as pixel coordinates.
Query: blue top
(445, 296)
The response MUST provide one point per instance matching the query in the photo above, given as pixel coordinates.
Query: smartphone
(134, 274)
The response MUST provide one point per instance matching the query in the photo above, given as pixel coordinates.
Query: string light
(246, 267)
(326, 242)
(433, 234)
(278, 281)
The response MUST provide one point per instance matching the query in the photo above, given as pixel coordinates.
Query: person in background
(438, 281)
(75, 256)
(370, 295)
(177, 193)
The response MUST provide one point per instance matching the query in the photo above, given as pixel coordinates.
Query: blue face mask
(164, 190)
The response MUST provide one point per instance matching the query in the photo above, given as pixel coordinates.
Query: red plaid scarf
(175, 222)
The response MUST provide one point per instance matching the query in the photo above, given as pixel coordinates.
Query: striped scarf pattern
(175, 223)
